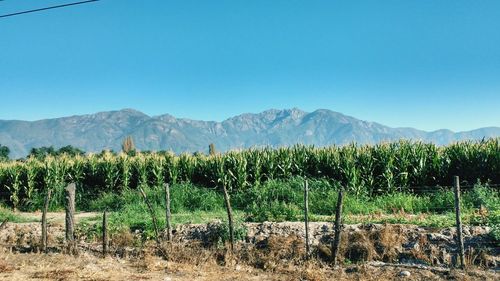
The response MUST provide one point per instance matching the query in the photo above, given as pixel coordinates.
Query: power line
(47, 8)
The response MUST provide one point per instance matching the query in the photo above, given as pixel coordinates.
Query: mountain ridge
(273, 127)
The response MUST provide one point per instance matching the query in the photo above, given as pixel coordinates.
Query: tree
(106, 152)
(42, 152)
(70, 150)
(211, 149)
(4, 153)
(128, 146)
(197, 153)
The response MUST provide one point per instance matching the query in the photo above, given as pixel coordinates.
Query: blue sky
(415, 63)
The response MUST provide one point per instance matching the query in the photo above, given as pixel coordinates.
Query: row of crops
(363, 170)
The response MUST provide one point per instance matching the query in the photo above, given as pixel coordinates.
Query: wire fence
(452, 226)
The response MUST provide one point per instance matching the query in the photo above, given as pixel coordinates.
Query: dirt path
(56, 217)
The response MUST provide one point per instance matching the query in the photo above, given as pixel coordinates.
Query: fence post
(460, 239)
(338, 227)
(44, 220)
(229, 216)
(306, 216)
(70, 191)
(104, 234)
(168, 215)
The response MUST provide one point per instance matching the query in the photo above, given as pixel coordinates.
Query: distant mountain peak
(275, 127)
(129, 111)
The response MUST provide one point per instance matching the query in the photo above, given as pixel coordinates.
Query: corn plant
(108, 168)
(14, 184)
(32, 169)
(125, 167)
(363, 170)
(156, 164)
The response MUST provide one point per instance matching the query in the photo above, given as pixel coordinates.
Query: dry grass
(55, 274)
(122, 239)
(272, 258)
(189, 266)
(359, 248)
(5, 266)
(275, 252)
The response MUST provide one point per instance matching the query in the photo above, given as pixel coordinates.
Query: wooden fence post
(229, 216)
(338, 227)
(168, 215)
(104, 234)
(306, 217)
(44, 221)
(70, 191)
(460, 239)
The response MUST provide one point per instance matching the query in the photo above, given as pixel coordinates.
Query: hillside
(106, 130)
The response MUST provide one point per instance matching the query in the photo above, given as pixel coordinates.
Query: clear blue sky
(419, 63)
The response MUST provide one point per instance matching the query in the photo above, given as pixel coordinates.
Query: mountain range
(106, 130)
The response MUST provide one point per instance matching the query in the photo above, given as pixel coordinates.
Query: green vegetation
(494, 222)
(42, 152)
(4, 153)
(10, 216)
(184, 198)
(283, 200)
(266, 184)
(362, 170)
(488, 202)
(190, 204)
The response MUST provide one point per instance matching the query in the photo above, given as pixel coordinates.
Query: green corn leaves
(362, 170)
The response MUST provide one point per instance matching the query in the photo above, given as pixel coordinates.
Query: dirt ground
(56, 217)
(275, 251)
(88, 267)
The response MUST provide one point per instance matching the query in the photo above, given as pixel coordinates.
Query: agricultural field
(398, 213)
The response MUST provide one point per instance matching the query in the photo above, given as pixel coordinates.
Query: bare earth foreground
(89, 267)
(271, 251)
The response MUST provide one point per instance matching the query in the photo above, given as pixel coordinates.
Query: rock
(404, 274)
(412, 245)
(439, 238)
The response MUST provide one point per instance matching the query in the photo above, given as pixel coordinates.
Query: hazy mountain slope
(106, 130)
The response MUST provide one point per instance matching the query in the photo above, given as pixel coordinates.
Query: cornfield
(362, 170)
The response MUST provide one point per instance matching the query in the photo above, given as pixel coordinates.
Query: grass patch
(283, 201)
(11, 216)
(184, 197)
(129, 212)
(138, 219)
